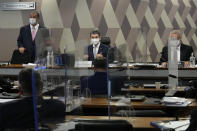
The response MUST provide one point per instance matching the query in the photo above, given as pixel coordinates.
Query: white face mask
(32, 21)
(95, 41)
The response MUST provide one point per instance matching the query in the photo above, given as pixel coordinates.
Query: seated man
(183, 51)
(20, 114)
(193, 121)
(97, 83)
(96, 48)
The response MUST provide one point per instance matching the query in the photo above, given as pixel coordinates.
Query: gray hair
(178, 32)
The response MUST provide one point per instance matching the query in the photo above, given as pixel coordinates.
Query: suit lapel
(29, 32)
(100, 48)
(181, 52)
(91, 51)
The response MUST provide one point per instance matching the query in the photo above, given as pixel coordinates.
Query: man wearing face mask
(183, 51)
(96, 49)
(27, 38)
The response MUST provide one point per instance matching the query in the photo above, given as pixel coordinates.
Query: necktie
(33, 33)
(94, 51)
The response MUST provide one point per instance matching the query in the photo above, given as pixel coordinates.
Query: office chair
(102, 125)
(68, 60)
(191, 91)
(105, 41)
(18, 58)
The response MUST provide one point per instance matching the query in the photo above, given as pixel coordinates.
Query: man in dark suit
(97, 83)
(96, 49)
(183, 51)
(20, 114)
(33, 38)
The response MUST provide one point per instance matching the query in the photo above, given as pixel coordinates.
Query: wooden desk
(101, 103)
(160, 73)
(139, 123)
(149, 90)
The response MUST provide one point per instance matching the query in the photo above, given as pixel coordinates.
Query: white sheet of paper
(83, 64)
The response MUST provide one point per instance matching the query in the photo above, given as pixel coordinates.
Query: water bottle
(48, 59)
(192, 61)
(52, 59)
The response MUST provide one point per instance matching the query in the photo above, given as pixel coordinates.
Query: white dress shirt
(179, 53)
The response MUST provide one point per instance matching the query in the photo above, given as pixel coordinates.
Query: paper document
(6, 100)
(181, 125)
(176, 101)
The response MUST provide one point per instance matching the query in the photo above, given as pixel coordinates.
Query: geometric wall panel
(129, 23)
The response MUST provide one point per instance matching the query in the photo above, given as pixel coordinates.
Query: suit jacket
(185, 53)
(36, 47)
(193, 121)
(97, 84)
(19, 113)
(103, 49)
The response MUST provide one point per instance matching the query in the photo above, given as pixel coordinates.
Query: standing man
(96, 49)
(183, 51)
(27, 39)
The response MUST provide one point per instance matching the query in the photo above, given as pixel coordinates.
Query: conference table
(102, 103)
(138, 123)
(153, 91)
(148, 90)
(190, 73)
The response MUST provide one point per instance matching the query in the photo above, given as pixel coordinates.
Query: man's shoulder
(17, 103)
(42, 27)
(185, 46)
(25, 26)
(90, 46)
(89, 78)
(165, 47)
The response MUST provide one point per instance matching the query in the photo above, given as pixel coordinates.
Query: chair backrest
(105, 40)
(101, 125)
(18, 58)
(68, 59)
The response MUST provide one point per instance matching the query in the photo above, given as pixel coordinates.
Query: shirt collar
(97, 45)
(36, 26)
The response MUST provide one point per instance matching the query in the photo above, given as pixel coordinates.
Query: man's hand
(85, 57)
(99, 55)
(164, 64)
(21, 50)
(187, 64)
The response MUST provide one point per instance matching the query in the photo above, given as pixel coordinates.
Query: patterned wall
(129, 23)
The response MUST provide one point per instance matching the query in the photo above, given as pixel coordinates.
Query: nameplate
(83, 64)
(17, 5)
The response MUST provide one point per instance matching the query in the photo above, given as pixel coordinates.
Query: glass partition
(173, 44)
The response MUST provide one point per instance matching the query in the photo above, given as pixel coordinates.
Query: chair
(191, 91)
(105, 41)
(68, 60)
(102, 125)
(18, 58)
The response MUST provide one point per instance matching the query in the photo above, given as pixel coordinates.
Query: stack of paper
(176, 101)
(181, 125)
